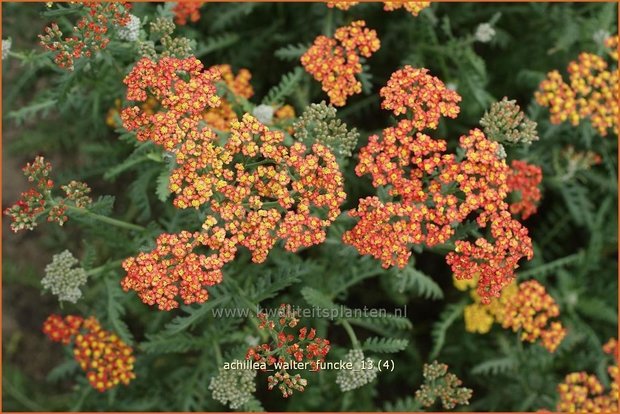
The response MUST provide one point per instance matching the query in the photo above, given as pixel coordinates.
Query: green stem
(218, 354)
(105, 219)
(97, 270)
(347, 327)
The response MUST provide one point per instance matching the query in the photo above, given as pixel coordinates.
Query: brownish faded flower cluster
(301, 347)
(90, 34)
(583, 393)
(254, 189)
(38, 200)
(335, 61)
(105, 358)
(432, 191)
(591, 92)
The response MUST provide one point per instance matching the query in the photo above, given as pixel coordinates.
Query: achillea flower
(181, 102)
(581, 392)
(37, 200)
(572, 162)
(90, 34)
(531, 311)
(105, 358)
(479, 318)
(303, 346)
(284, 117)
(62, 279)
(484, 33)
(439, 384)
(187, 11)
(413, 7)
(131, 31)
(233, 387)
(238, 86)
(364, 371)
(319, 124)
(342, 5)
(591, 92)
(422, 96)
(6, 48)
(174, 268)
(264, 114)
(335, 61)
(506, 123)
(525, 178)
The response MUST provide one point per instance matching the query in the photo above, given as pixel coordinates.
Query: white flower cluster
(131, 31)
(6, 48)
(360, 375)
(484, 33)
(264, 114)
(233, 387)
(62, 279)
(600, 36)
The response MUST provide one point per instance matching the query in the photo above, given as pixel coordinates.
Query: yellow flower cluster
(413, 7)
(591, 92)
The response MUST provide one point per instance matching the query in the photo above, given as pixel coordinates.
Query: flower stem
(347, 327)
(105, 219)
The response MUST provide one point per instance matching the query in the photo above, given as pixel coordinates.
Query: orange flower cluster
(591, 93)
(525, 179)
(239, 85)
(584, 393)
(414, 92)
(413, 7)
(89, 33)
(342, 5)
(530, 311)
(181, 102)
(335, 61)
(187, 11)
(174, 269)
(433, 191)
(253, 187)
(105, 358)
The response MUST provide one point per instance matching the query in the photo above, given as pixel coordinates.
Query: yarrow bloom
(591, 92)
(335, 61)
(90, 34)
(506, 123)
(105, 358)
(414, 92)
(174, 268)
(62, 279)
(364, 371)
(484, 33)
(264, 114)
(524, 179)
(342, 5)
(413, 7)
(131, 31)
(439, 384)
(303, 346)
(319, 124)
(38, 200)
(530, 311)
(583, 393)
(573, 162)
(237, 86)
(6, 48)
(187, 11)
(233, 387)
(432, 191)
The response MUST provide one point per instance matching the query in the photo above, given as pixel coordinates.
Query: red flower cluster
(335, 61)
(303, 346)
(432, 191)
(187, 11)
(239, 85)
(37, 200)
(89, 33)
(105, 358)
(414, 92)
(530, 311)
(256, 188)
(525, 179)
(181, 102)
(174, 269)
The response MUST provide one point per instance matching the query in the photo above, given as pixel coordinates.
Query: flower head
(364, 371)
(6, 48)
(131, 31)
(233, 387)
(413, 7)
(506, 123)
(187, 11)
(524, 178)
(439, 384)
(62, 279)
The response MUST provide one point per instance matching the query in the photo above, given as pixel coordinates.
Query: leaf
(578, 203)
(597, 309)
(116, 310)
(268, 286)
(403, 405)
(63, 371)
(291, 52)
(385, 345)
(163, 182)
(495, 366)
(440, 328)
(412, 279)
(285, 87)
(193, 316)
(160, 344)
(548, 268)
(218, 42)
(317, 298)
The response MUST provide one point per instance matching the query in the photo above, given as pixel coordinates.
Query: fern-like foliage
(385, 345)
(285, 87)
